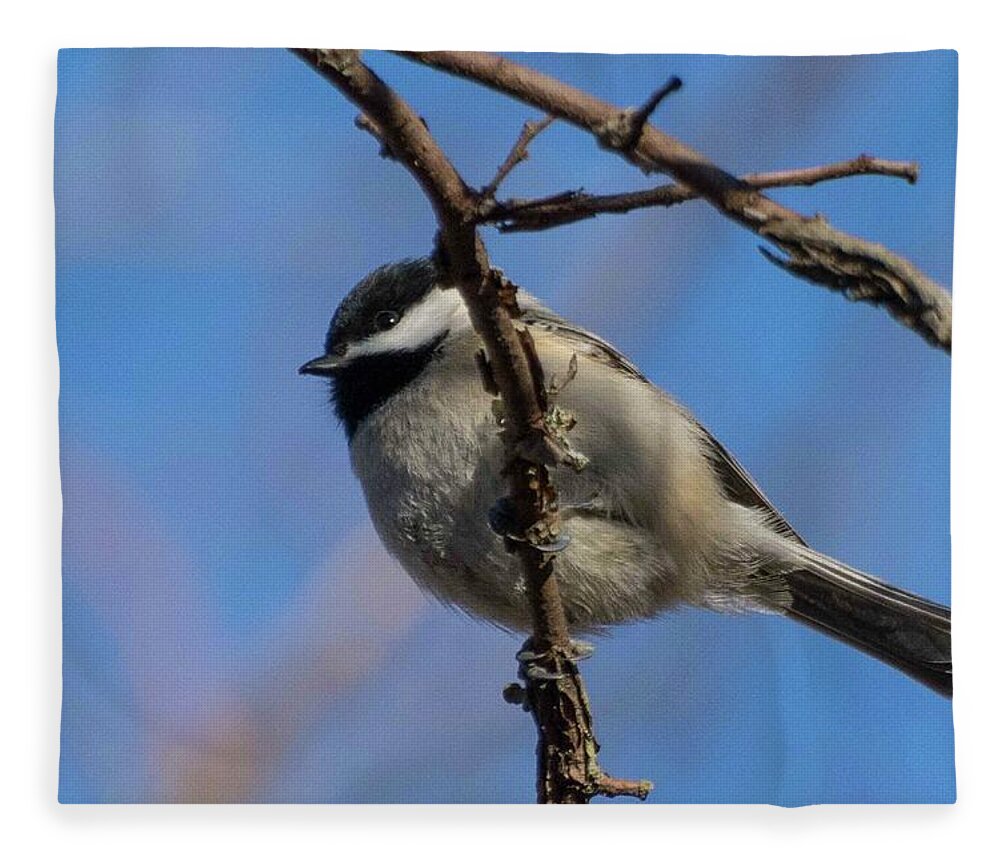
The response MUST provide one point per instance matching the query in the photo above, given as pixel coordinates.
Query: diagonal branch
(514, 216)
(815, 250)
(567, 751)
(517, 154)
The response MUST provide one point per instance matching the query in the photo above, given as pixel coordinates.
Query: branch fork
(551, 685)
(851, 270)
(622, 132)
(517, 154)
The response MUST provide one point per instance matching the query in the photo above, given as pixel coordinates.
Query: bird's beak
(325, 365)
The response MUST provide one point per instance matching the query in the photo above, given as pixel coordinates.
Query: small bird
(660, 515)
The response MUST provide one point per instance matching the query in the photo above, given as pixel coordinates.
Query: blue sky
(232, 628)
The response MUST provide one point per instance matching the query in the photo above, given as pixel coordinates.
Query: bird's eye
(385, 320)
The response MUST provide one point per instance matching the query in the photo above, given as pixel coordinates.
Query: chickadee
(660, 515)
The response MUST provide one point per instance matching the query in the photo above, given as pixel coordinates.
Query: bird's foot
(593, 505)
(503, 520)
(536, 665)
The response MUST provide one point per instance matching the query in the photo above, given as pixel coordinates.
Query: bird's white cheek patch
(438, 312)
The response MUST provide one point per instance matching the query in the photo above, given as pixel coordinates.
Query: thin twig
(567, 751)
(369, 126)
(863, 165)
(816, 251)
(546, 212)
(637, 119)
(517, 154)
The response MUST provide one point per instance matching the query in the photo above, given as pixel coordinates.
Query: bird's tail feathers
(901, 629)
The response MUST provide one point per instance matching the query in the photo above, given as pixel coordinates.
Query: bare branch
(568, 706)
(568, 754)
(816, 251)
(407, 136)
(863, 165)
(517, 154)
(546, 212)
(633, 121)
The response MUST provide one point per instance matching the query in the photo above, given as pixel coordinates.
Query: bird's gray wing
(585, 342)
(899, 628)
(739, 486)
